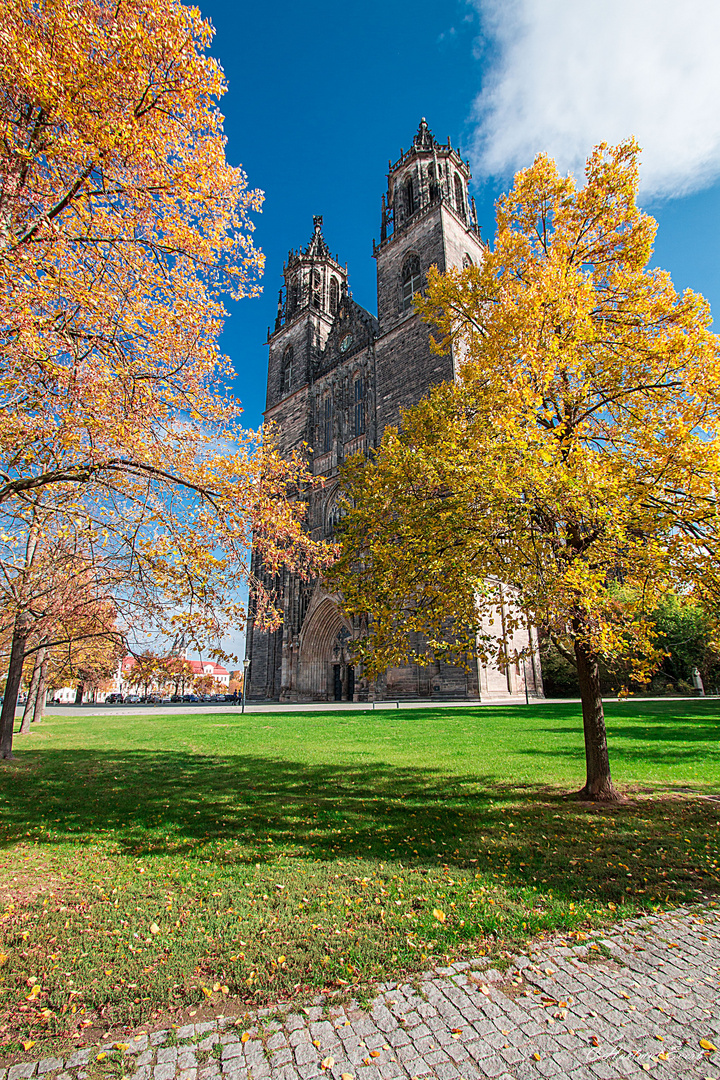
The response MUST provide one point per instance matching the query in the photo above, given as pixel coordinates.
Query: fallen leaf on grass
(439, 915)
(245, 1036)
(29, 1044)
(101, 1056)
(154, 928)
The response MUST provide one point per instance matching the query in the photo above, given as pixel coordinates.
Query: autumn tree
(122, 226)
(576, 453)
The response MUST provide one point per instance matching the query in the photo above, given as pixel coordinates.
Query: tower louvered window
(334, 295)
(316, 290)
(459, 197)
(410, 283)
(359, 394)
(287, 368)
(410, 197)
(327, 423)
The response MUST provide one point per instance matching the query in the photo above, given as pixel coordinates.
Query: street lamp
(246, 665)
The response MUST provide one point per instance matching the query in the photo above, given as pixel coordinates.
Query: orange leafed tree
(122, 225)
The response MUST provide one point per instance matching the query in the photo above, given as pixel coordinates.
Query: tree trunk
(41, 696)
(12, 686)
(598, 784)
(79, 693)
(32, 693)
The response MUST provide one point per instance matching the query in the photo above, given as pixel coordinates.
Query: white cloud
(564, 75)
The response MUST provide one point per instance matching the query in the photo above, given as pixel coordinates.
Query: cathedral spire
(424, 138)
(317, 248)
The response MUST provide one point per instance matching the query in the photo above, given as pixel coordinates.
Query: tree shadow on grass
(248, 809)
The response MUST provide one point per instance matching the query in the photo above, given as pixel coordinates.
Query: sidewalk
(642, 1000)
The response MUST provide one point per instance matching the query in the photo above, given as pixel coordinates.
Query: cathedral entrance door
(350, 682)
(337, 681)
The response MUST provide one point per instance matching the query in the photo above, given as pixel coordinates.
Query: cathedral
(337, 376)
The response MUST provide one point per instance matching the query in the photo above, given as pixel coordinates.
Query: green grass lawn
(155, 864)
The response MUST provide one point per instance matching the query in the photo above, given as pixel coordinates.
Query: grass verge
(156, 865)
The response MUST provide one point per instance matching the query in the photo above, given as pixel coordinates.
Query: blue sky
(322, 94)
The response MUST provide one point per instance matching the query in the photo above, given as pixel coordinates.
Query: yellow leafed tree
(575, 458)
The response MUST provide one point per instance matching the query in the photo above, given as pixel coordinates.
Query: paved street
(642, 1000)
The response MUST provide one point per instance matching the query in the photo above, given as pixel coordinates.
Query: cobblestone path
(643, 999)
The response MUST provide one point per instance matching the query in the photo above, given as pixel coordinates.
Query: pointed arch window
(287, 369)
(359, 404)
(316, 290)
(459, 197)
(410, 282)
(467, 261)
(334, 295)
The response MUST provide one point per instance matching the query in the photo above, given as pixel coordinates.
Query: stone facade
(337, 376)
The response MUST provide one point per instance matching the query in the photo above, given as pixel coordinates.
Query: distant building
(197, 668)
(337, 376)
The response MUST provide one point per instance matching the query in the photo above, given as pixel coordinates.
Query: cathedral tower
(337, 377)
(314, 284)
(428, 220)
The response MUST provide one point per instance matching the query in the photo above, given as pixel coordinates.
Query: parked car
(191, 697)
(153, 699)
(114, 699)
(176, 697)
(133, 699)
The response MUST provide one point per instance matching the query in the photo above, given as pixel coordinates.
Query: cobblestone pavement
(644, 999)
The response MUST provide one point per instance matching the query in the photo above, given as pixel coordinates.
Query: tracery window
(334, 515)
(359, 400)
(459, 197)
(467, 261)
(287, 368)
(410, 282)
(316, 290)
(334, 295)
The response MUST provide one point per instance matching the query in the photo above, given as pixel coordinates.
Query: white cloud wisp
(565, 75)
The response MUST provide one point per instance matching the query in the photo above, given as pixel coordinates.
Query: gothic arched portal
(325, 671)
